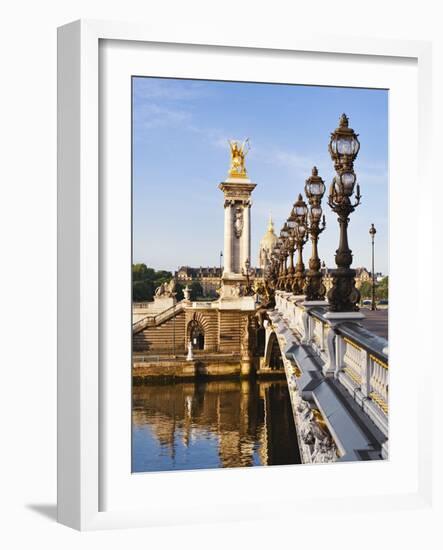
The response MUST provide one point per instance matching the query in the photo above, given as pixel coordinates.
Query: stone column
(228, 239)
(246, 237)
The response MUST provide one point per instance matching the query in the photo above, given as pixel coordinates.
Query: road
(376, 321)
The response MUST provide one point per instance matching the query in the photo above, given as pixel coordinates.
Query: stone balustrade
(352, 355)
(141, 305)
(205, 305)
(153, 320)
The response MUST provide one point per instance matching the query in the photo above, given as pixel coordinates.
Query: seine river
(216, 424)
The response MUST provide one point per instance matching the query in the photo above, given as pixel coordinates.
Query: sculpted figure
(190, 355)
(170, 287)
(165, 289)
(238, 154)
(238, 222)
(159, 291)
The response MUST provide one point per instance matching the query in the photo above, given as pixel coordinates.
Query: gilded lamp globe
(344, 184)
(300, 231)
(284, 233)
(314, 187)
(300, 210)
(344, 145)
(292, 220)
(316, 213)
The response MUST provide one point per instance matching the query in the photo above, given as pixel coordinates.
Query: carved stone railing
(362, 366)
(351, 354)
(286, 303)
(159, 318)
(353, 361)
(379, 382)
(141, 305)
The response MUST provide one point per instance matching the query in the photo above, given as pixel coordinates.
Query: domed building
(266, 245)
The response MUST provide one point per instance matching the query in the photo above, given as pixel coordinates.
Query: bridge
(337, 370)
(338, 379)
(304, 324)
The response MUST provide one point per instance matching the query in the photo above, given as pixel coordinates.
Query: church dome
(266, 245)
(270, 238)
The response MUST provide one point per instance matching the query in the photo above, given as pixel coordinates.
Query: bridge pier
(245, 368)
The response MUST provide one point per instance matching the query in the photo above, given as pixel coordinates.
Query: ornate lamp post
(372, 232)
(315, 189)
(289, 250)
(280, 259)
(247, 272)
(300, 233)
(291, 269)
(274, 268)
(343, 148)
(292, 222)
(284, 255)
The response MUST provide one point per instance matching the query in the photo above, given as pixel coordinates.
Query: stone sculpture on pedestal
(190, 356)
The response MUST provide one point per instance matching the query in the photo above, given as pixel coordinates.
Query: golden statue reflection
(238, 153)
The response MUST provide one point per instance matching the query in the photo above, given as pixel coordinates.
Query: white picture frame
(82, 399)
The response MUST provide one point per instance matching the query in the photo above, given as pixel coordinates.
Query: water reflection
(216, 424)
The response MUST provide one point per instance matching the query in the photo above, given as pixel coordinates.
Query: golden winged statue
(238, 153)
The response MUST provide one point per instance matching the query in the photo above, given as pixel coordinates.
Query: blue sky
(181, 154)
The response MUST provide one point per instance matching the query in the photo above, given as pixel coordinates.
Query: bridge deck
(355, 433)
(376, 322)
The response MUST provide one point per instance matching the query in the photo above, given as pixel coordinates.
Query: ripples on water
(216, 424)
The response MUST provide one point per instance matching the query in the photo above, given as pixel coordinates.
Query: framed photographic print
(224, 353)
(231, 267)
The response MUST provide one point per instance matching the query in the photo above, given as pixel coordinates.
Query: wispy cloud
(172, 90)
(151, 115)
(166, 103)
(220, 141)
(375, 177)
(278, 210)
(290, 159)
(372, 173)
(375, 173)
(297, 165)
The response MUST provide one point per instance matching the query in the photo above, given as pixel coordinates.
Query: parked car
(366, 303)
(383, 304)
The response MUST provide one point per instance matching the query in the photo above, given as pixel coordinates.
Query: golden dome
(270, 238)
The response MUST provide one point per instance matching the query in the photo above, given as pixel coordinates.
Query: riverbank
(147, 368)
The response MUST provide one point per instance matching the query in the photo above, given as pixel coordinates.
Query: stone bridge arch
(273, 356)
(197, 330)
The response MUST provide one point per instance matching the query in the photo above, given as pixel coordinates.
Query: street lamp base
(343, 296)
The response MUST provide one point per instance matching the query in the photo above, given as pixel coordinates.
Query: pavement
(376, 321)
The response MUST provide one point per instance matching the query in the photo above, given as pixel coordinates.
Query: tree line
(145, 280)
(381, 289)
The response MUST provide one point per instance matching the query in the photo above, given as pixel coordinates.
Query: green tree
(145, 280)
(162, 274)
(139, 272)
(196, 290)
(179, 292)
(365, 290)
(382, 289)
(142, 291)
